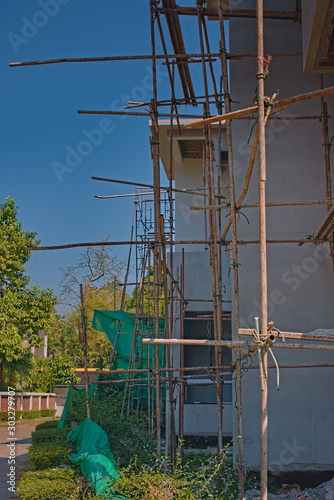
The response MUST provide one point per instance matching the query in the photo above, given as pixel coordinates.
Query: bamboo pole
(157, 233)
(140, 184)
(84, 339)
(232, 344)
(253, 109)
(256, 205)
(326, 145)
(233, 247)
(213, 231)
(181, 397)
(170, 424)
(176, 242)
(240, 13)
(292, 335)
(263, 248)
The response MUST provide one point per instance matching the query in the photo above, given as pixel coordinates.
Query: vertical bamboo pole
(156, 189)
(170, 407)
(84, 339)
(181, 402)
(233, 247)
(263, 248)
(217, 303)
(326, 146)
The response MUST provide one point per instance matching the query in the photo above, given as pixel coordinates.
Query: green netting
(95, 458)
(74, 394)
(119, 327)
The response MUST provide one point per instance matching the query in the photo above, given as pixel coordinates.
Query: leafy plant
(29, 414)
(49, 484)
(48, 412)
(50, 424)
(51, 434)
(23, 311)
(43, 456)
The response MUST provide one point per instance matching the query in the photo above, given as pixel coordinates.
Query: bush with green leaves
(49, 484)
(43, 456)
(48, 412)
(199, 477)
(50, 434)
(29, 414)
(50, 424)
(127, 433)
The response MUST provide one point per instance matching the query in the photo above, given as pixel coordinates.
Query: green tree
(99, 271)
(146, 304)
(24, 311)
(46, 373)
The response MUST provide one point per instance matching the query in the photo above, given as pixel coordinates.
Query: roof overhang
(318, 36)
(180, 142)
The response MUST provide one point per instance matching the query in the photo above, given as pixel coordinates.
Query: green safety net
(95, 458)
(73, 396)
(119, 326)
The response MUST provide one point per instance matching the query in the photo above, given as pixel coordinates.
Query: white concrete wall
(300, 279)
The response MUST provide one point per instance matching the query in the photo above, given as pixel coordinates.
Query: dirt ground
(23, 435)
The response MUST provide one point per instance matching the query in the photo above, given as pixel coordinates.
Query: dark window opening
(199, 325)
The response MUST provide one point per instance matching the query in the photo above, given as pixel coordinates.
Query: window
(199, 325)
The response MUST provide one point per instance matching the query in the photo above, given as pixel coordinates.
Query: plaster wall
(300, 279)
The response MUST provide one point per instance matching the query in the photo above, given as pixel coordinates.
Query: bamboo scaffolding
(253, 109)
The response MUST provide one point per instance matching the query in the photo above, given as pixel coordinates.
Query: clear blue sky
(40, 125)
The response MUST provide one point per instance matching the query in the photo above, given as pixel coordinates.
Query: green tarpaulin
(73, 394)
(95, 458)
(119, 327)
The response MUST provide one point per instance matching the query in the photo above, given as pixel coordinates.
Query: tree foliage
(145, 305)
(99, 272)
(24, 311)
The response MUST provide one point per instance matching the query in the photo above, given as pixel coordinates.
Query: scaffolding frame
(156, 220)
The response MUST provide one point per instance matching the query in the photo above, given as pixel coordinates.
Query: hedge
(50, 424)
(4, 415)
(43, 456)
(31, 414)
(48, 434)
(48, 412)
(48, 484)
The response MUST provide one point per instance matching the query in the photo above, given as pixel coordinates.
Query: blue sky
(40, 125)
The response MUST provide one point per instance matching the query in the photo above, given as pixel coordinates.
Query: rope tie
(233, 265)
(266, 341)
(153, 143)
(210, 143)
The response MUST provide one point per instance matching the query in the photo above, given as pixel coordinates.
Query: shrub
(43, 456)
(43, 435)
(4, 415)
(59, 484)
(31, 414)
(127, 434)
(213, 477)
(50, 424)
(48, 412)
